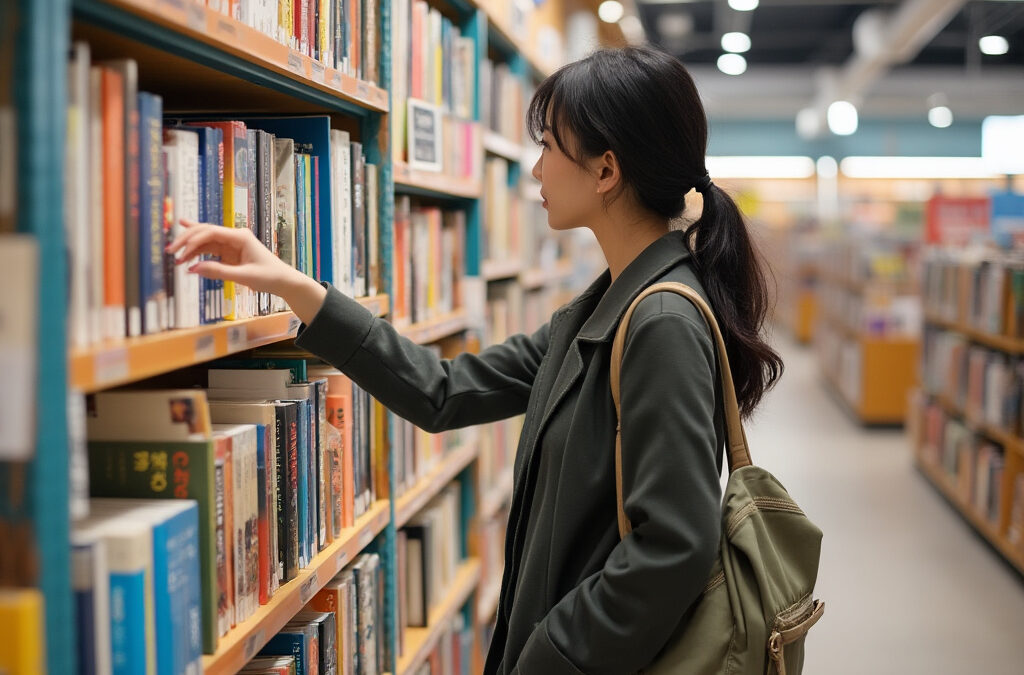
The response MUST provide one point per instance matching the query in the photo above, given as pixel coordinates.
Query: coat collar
(653, 262)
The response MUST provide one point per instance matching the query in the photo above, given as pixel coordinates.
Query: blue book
(175, 577)
(303, 482)
(314, 131)
(300, 213)
(293, 641)
(151, 213)
(90, 584)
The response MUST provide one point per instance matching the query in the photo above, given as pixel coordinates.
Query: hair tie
(703, 183)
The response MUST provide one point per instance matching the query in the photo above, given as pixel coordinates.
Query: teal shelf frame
(40, 76)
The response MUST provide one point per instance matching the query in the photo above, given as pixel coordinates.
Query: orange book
(112, 88)
(339, 415)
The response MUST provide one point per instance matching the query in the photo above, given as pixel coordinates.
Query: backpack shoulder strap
(738, 454)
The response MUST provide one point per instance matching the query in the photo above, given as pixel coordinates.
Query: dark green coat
(574, 599)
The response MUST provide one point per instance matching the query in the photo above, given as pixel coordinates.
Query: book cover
(287, 489)
(364, 570)
(295, 642)
(324, 461)
(266, 207)
(343, 278)
(307, 187)
(339, 409)
(183, 177)
(284, 187)
(224, 502)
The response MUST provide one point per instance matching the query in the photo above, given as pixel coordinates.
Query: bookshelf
(202, 62)
(246, 639)
(420, 641)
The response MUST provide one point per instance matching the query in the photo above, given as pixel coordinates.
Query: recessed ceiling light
(611, 11)
(736, 43)
(993, 45)
(743, 5)
(842, 118)
(940, 116)
(732, 64)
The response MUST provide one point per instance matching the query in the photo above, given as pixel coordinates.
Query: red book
(339, 415)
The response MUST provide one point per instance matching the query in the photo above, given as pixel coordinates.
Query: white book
(241, 378)
(182, 146)
(76, 189)
(346, 281)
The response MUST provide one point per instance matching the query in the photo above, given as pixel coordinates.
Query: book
(358, 219)
(152, 289)
(21, 622)
(112, 91)
(244, 510)
(297, 641)
(364, 570)
(184, 181)
(270, 665)
(326, 627)
(90, 583)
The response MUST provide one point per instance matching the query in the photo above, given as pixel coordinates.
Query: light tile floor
(909, 587)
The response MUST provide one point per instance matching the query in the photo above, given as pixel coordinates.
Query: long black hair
(642, 105)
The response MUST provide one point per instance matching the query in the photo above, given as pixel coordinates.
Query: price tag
(295, 63)
(253, 643)
(196, 18)
(293, 325)
(365, 537)
(308, 589)
(237, 338)
(362, 90)
(206, 348)
(319, 73)
(341, 559)
(111, 365)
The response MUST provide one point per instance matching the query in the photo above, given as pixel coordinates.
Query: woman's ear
(607, 171)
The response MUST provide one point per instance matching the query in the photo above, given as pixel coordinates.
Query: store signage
(956, 221)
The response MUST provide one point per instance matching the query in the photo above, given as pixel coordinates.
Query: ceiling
(803, 55)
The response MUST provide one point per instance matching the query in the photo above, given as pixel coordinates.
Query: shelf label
(295, 63)
(293, 325)
(308, 589)
(206, 348)
(365, 537)
(226, 27)
(363, 90)
(237, 338)
(173, 9)
(341, 559)
(319, 73)
(336, 79)
(111, 365)
(196, 18)
(253, 643)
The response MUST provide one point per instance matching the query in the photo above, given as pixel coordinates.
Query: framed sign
(424, 135)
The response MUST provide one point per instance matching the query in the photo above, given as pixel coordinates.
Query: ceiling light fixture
(732, 64)
(611, 11)
(915, 167)
(940, 116)
(743, 5)
(842, 118)
(993, 45)
(736, 43)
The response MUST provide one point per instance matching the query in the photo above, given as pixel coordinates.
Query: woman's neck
(624, 236)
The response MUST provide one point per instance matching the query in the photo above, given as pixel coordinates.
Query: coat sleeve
(618, 619)
(434, 394)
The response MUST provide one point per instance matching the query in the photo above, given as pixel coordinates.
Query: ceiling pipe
(882, 39)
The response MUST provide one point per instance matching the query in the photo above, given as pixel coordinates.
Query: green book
(166, 470)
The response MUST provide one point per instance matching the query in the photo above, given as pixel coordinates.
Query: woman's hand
(245, 260)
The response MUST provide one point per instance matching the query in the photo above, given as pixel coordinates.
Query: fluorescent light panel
(916, 167)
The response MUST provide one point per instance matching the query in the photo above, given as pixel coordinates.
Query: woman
(623, 135)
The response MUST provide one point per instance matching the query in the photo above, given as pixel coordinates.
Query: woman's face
(569, 191)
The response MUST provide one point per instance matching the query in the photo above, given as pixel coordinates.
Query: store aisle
(909, 587)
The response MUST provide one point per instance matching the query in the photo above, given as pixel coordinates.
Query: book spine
(300, 214)
(322, 462)
(358, 220)
(315, 195)
(225, 596)
(151, 283)
(265, 507)
(114, 201)
(307, 179)
(176, 582)
(373, 276)
(132, 253)
(128, 621)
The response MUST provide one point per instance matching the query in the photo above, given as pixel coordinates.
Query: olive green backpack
(757, 606)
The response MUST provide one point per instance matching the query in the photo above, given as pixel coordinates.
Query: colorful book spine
(152, 293)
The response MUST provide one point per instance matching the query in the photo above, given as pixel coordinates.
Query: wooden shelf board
(497, 496)
(450, 466)
(247, 638)
(496, 144)
(1000, 342)
(193, 20)
(492, 270)
(114, 363)
(497, 23)
(420, 641)
(861, 335)
(536, 278)
(434, 329)
(435, 184)
(989, 531)
(487, 605)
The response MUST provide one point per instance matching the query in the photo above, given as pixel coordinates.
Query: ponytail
(730, 269)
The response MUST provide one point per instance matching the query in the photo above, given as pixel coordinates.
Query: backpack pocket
(786, 641)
